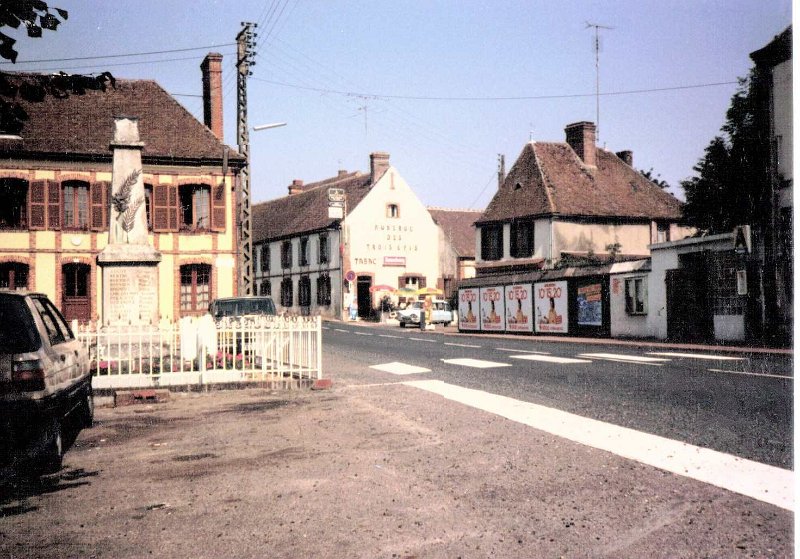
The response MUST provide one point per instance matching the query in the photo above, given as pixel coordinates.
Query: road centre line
(550, 359)
(697, 356)
(521, 350)
(340, 330)
(388, 336)
(362, 334)
(423, 340)
(623, 357)
(765, 483)
(785, 377)
(462, 345)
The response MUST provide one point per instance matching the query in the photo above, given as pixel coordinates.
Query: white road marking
(550, 359)
(362, 334)
(462, 345)
(697, 356)
(759, 481)
(522, 350)
(340, 330)
(621, 358)
(387, 336)
(423, 340)
(476, 363)
(787, 377)
(397, 368)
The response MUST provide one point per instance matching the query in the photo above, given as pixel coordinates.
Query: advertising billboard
(551, 306)
(590, 305)
(493, 309)
(468, 309)
(519, 308)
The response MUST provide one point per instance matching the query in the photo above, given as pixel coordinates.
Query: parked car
(242, 307)
(440, 312)
(45, 382)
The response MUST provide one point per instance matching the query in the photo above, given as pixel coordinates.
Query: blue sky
(349, 78)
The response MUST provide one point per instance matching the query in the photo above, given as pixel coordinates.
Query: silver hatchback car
(45, 382)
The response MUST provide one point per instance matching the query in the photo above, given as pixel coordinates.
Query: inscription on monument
(132, 295)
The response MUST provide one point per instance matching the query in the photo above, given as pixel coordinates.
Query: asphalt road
(735, 402)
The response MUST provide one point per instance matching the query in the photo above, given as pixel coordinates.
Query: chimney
(212, 93)
(501, 170)
(296, 187)
(580, 137)
(341, 173)
(626, 156)
(378, 163)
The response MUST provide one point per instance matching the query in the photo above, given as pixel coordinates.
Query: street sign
(350, 276)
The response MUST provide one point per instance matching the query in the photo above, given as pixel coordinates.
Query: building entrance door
(689, 317)
(363, 283)
(75, 301)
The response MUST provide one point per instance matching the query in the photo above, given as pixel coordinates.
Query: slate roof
(81, 126)
(306, 211)
(549, 179)
(458, 227)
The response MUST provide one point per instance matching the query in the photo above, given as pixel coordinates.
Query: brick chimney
(378, 163)
(626, 156)
(212, 93)
(296, 187)
(581, 138)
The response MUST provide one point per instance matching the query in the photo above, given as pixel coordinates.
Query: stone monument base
(130, 284)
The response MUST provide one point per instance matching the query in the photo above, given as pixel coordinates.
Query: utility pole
(597, 28)
(245, 41)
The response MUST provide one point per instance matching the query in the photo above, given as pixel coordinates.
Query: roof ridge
(437, 208)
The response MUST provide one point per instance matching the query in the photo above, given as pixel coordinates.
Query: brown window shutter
(218, 207)
(99, 201)
(37, 203)
(172, 201)
(161, 207)
(53, 205)
(422, 282)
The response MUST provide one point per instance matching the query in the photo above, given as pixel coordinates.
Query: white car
(440, 312)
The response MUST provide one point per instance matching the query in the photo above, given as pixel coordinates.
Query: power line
(512, 98)
(118, 55)
(106, 66)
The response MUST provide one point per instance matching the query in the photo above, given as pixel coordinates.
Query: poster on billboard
(519, 308)
(493, 309)
(590, 305)
(468, 309)
(551, 307)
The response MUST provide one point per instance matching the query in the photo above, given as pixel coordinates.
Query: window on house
(195, 287)
(521, 239)
(304, 291)
(287, 292)
(304, 251)
(148, 205)
(635, 296)
(265, 288)
(324, 249)
(13, 275)
(491, 242)
(662, 232)
(265, 256)
(286, 254)
(324, 290)
(392, 210)
(13, 204)
(75, 199)
(195, 206)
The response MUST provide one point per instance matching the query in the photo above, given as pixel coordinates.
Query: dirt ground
(370, 468)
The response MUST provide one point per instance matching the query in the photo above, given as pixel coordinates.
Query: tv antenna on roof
(597, 28)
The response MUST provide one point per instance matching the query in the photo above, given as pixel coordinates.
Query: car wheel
(87, 409)
(53, 450)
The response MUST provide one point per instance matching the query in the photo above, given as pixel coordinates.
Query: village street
(399, 462)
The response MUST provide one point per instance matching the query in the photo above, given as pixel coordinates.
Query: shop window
(13, 204)
(491, 242)
(13, 275)
(195, 206)
(75, 200)
(521, 239)
(324, 290)
(304, 251)
(286, 254)
(195, 287)
(287, 292)
(392, 210)
(635, 296)
(324, 249)
(304, 292)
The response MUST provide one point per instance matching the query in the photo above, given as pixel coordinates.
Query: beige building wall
(594, 238)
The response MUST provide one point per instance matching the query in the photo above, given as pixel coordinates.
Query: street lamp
(267, 126)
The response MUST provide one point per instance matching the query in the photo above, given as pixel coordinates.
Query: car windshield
(18, 332)
(240, 307)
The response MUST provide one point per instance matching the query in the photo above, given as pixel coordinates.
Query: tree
(729, 188)
(35, 15)
(655, 178)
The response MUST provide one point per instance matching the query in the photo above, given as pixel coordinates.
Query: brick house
(55, 177)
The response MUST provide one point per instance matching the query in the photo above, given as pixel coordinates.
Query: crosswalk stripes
(639, 360)
(549, 359)
(397, 368)
(697, 356)
(475, 363)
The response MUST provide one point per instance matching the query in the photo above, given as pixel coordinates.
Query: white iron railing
(198, 351)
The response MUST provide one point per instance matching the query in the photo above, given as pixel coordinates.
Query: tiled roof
(459, 227)
(306, 211)
(550, 179)
(82, 125)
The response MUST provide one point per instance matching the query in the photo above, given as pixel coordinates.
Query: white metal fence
(198, 351)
